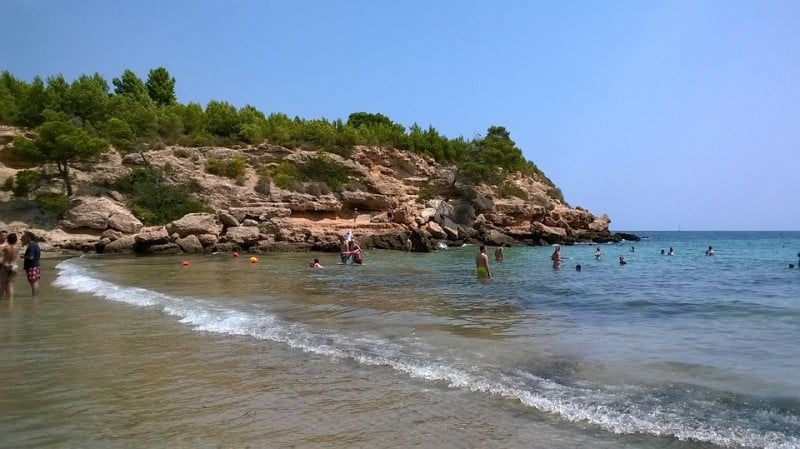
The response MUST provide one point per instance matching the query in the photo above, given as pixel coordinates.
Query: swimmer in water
(556, 257)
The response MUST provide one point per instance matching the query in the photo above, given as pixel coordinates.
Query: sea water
(412, 349)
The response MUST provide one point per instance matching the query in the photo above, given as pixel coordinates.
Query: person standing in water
(498, 253)
(32, 265)
(9, 268)
(482, 263)
(598, 253)
(710, 251)
(556, 257)
(622, 260)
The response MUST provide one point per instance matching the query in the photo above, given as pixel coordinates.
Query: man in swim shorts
(482, 263)
(344, 249)
(32, 266)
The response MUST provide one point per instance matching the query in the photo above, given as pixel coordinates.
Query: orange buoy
(253, 259)
(185, 263)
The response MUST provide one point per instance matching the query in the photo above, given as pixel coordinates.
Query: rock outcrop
(390, 198)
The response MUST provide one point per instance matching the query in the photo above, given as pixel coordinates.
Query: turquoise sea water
(666, 351)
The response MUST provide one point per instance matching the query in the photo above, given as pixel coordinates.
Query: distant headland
(87, 168)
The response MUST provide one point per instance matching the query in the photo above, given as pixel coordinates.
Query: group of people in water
(10, 249)
(483, 270)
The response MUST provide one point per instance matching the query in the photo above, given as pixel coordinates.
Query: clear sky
(663, 114)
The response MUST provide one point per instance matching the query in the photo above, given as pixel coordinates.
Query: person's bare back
(482, 263)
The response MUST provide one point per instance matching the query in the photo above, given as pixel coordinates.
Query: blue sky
(663, 114)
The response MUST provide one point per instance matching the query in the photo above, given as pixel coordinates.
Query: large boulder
(435, 230)
(99, 213)
(497, 238)
(152, 235)
(124, 244)
(195, 224)
(190, 244)
(227, 219)
(242, 236)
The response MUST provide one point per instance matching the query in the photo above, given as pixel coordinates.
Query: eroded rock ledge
(383, 212)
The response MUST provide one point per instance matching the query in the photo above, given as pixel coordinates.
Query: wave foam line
(610, 409)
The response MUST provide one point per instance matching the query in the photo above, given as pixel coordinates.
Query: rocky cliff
(391, 196)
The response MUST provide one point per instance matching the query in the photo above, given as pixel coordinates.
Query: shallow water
(412, 350)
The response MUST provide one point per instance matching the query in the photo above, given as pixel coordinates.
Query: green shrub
(8, 184)
(322, 168)
(25, 182)
(202, 139)
(509, 189)
(428, 193)
(230, 168)
(182, 152)
(155, 202)
(53, 202)
(285, 174)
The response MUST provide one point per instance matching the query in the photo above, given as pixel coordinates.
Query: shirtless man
(10, 254)
(344, 249)
(482, 263)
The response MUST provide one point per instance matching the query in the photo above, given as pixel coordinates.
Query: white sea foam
(615, 409)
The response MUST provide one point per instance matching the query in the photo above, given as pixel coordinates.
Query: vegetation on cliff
(76, 121)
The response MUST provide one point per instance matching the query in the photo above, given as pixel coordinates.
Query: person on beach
(355, 214)
(482, 264)
(409, 245)
(31, 264)
(10, 254)
(556, 257)
(622, 260)
(598, 254)
(315, 264)
(498, 253)
(390, 213)
(710, 251)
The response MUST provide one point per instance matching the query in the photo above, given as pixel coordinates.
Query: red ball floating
(185, 263)
(235, 254)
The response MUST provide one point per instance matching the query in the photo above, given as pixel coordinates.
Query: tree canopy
(75, 121)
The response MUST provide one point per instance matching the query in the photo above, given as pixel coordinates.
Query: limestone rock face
(99, 213)
(398, 196)
(195, 224)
